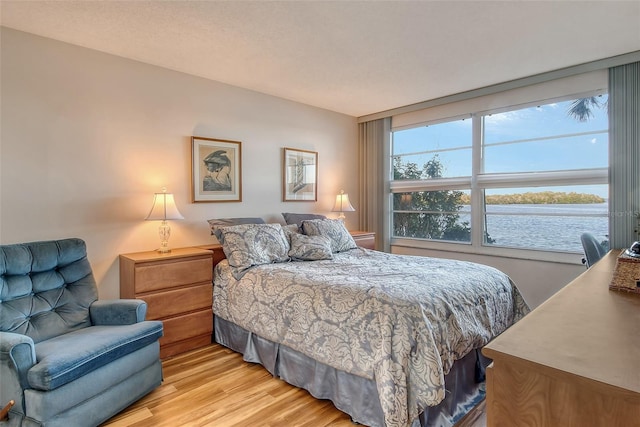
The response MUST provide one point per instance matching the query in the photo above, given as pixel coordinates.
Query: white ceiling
(353, 57)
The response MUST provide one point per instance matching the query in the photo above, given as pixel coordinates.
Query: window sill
(572, 258)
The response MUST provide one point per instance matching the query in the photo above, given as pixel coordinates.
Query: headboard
(218, 253)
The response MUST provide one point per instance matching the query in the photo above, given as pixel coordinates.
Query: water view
(553, 226)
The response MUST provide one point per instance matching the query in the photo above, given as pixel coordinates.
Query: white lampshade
(164, 207)
(342, 204)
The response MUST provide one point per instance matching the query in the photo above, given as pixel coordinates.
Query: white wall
(87, 138)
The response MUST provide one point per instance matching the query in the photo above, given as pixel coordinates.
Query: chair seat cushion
(66, 357)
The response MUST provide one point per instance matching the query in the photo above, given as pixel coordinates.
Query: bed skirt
(352, 394)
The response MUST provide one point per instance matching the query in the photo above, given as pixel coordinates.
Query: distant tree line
(540, 198)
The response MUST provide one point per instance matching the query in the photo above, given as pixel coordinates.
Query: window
(444, 149)
(438, 154)
(546, 138)
(552, 152)
(532, 176)
(434, 215)
(530, 218)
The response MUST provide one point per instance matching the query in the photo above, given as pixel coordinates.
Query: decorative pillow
(334, 229)
(297, 218)
(248, 245)
(291, 229)
(310, 248)
(217, 224)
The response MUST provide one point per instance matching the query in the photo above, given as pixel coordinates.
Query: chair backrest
(593, 249)
(46, 288)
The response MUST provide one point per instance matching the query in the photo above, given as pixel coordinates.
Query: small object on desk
(5, 411)
(634, 250)
(626, 276)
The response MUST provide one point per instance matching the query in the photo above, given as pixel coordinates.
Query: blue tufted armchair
(67, 358)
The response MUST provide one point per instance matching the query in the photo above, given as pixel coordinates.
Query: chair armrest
(117, 312)
(17, 356)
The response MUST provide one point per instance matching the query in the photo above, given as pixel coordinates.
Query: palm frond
(581, 109)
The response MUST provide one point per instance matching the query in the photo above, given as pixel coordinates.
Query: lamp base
(164, 231)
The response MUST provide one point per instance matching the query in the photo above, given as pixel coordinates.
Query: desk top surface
(585, 329)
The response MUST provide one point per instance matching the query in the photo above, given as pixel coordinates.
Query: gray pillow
(291, 229)
(310, 248)
(297, 218)
(248, 245)
(218, 223)
(334, 229)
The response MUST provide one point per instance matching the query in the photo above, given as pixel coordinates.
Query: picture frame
(216, 170)
(299, 175)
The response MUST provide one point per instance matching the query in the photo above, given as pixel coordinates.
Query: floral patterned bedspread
(396, 319)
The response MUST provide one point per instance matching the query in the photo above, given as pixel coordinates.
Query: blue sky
(589, 149)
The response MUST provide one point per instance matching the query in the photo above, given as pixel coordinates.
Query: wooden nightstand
(364, 239)
(178, 290)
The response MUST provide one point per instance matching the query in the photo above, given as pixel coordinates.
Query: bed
(392, 340)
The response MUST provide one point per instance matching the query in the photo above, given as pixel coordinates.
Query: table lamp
(164, 208)
(342, 205)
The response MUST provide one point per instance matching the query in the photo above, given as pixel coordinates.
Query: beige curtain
(624, 154)
(374, 161)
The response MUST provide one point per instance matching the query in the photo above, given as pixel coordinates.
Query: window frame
(479, 181)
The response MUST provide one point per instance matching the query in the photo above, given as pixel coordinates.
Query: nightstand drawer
(187, 326)
(156, 276)
(170, 303)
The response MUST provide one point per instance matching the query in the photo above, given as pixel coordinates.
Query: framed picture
(216, 169)
(299, 175)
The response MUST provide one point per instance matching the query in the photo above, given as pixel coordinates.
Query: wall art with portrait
(299, 175)
(216, 169)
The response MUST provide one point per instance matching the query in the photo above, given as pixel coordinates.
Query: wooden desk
(573, 361)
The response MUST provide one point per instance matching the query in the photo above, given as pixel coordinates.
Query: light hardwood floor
(213, 386)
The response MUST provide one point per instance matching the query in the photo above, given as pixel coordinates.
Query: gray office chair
(593, 249)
